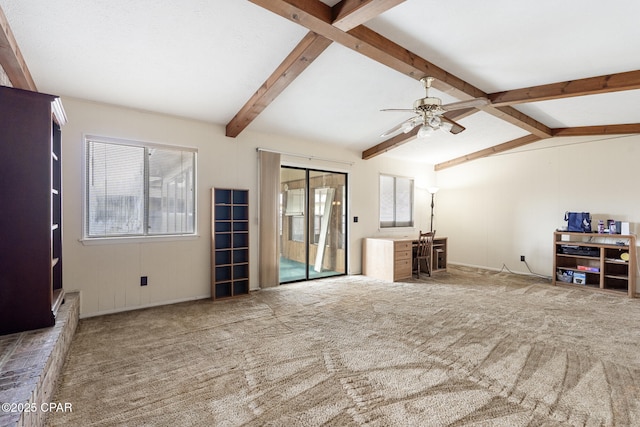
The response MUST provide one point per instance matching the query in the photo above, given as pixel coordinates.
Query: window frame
(86, 239)
(395, 224)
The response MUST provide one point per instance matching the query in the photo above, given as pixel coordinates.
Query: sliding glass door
(313, 224)
(293, 224)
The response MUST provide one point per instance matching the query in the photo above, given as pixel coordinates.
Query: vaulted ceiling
(323, 70)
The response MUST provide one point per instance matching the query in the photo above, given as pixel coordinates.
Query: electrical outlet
(522, 258)
(143, 280)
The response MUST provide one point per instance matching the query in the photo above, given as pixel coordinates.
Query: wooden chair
(423, 252)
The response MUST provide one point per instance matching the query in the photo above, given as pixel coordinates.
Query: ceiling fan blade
(410, 110)
(406, 126)
(456, 127)
(472, 103)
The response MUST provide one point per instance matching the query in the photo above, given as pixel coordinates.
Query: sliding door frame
(308, 218)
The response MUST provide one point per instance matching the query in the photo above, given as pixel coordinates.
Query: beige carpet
(464, 348)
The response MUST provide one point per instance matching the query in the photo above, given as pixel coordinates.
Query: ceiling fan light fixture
(425, 131)
(435, 122)
(429, 113)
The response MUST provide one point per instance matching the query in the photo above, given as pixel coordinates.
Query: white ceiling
(204, 59)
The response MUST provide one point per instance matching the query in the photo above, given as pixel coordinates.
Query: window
(295, 202)
(135, 189)
(319, 202)
(396, 201)
(297, 228)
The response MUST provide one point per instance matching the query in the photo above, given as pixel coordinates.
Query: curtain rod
(305, 156)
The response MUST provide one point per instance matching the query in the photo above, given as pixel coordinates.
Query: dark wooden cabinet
(229, 243)
(30, 209)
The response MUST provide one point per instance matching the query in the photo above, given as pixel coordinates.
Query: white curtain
(269, 257)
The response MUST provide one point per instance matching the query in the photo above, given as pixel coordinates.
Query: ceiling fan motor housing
(428, 105)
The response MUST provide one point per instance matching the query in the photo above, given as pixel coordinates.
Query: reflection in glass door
(293, 238)
(313, 224)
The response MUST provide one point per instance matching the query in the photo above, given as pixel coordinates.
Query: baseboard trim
(141, 307)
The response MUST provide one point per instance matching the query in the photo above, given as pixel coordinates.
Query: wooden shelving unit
(229, 243)
(31, 187)
(607, 261)
(56, 217)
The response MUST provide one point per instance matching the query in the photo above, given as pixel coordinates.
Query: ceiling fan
(430, 114)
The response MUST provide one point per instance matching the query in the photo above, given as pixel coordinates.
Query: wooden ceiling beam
(344, 15)
(622, 129)
(349, 14)
(11, 58)
(402, 138)
(379, 48)
(589, 86)
(488, 151)
(390, 144)
(373, 45)
(309, 48)
(314, 17)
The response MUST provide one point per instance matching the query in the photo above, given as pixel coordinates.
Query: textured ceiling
(204, 59)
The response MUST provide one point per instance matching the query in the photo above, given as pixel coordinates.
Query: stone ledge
(30, 363)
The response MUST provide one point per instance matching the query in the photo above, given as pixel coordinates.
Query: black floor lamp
(432, 191)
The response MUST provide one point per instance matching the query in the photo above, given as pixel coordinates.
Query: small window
(295, 202)
(396, 201)
(297, 228)
(136, 189)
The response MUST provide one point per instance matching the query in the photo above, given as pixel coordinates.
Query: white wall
(495, 209)
(108, 275)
